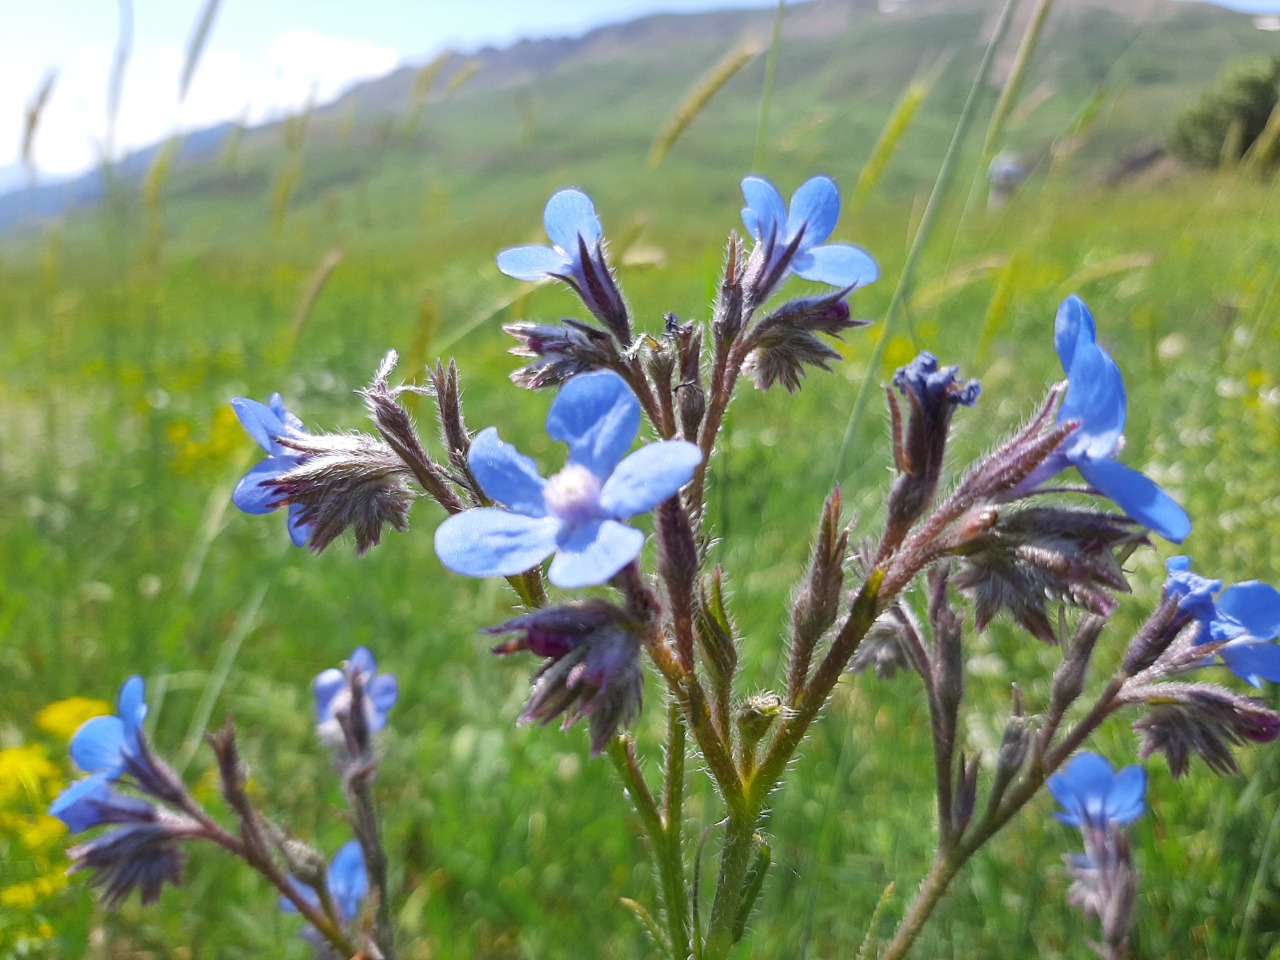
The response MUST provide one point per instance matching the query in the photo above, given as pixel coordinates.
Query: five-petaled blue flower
(108, 748)
(1096, 401)
(333, 693)
(1092, 796)
(268, 424)
(347, 882)
(571, 221)
(578, 513)
(815, 208)
(1245, 615)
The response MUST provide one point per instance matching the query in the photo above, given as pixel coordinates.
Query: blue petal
(765, 213)
(1125, 801)
(260, 421)
(533, 263)
(72, 808)
(348, 879)
(292, 424)
(327, 685)
(1095, 398)
(299, 530)
(494, 543)
(1252, 662)
(647, 477)
(131, 706)
(252, 494)
(362, 661)
(593, 553)
(815, 207)
(303, 891)
(1253, 605)
(507, 475)
(598, 416)
(838, 264)
(570, 214)
(383, 692)
(99, 746)
(1073, 322)
(1138, 496)
(1080, 786)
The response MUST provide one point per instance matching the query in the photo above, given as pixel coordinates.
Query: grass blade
(770, 75)
(31, 122)
(196, 45)
(699, 95)
(940, 187)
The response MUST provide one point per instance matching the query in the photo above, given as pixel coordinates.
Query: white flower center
(573, 494)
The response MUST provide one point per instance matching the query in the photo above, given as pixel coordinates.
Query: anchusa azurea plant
(1037, 532)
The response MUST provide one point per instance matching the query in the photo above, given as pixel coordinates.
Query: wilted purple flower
(792, 242)
(268, 424)
(576, 514)
(576, 256)
(1245, 615)
(1105, 885)
(1091, 795)
(112, 747)
(558, 353)
(346, 880)
(592, 668)
(1096, 402)
(139, 856)
(333, 694)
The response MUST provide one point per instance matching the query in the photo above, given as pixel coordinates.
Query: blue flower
(571, 222)
(1096, 402)
(1245, 615)
(111, 747)
(793, 241)
(576, 514)
(1092, 796)
(333, 693)
(268, 424)
(347, 882)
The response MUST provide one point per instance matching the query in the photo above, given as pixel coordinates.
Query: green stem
(735, 859)
(675, 895)
(935, 885)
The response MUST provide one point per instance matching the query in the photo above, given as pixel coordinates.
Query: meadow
(295, 258)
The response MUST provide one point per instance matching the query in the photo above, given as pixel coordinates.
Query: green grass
(125, 337)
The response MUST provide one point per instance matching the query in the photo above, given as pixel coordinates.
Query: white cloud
(297, 66)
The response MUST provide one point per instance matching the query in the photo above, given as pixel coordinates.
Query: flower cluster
(142, 851)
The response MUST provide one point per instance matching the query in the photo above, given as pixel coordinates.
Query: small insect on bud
(756, 716)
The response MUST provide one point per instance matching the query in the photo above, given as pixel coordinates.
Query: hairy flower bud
(558, 353)
(1036, 555)
(346, 482)
(137, 856)
(785, 341)
(756, 715)
(691, 399)
(592, 667)
(1202, 719)
(932, 394)
(1105, 884)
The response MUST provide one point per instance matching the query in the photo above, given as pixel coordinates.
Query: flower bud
(1203, 719)
(558, 353)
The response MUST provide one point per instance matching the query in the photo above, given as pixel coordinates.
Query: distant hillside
(592, 103)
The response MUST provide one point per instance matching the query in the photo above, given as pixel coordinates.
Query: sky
(262, 60)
